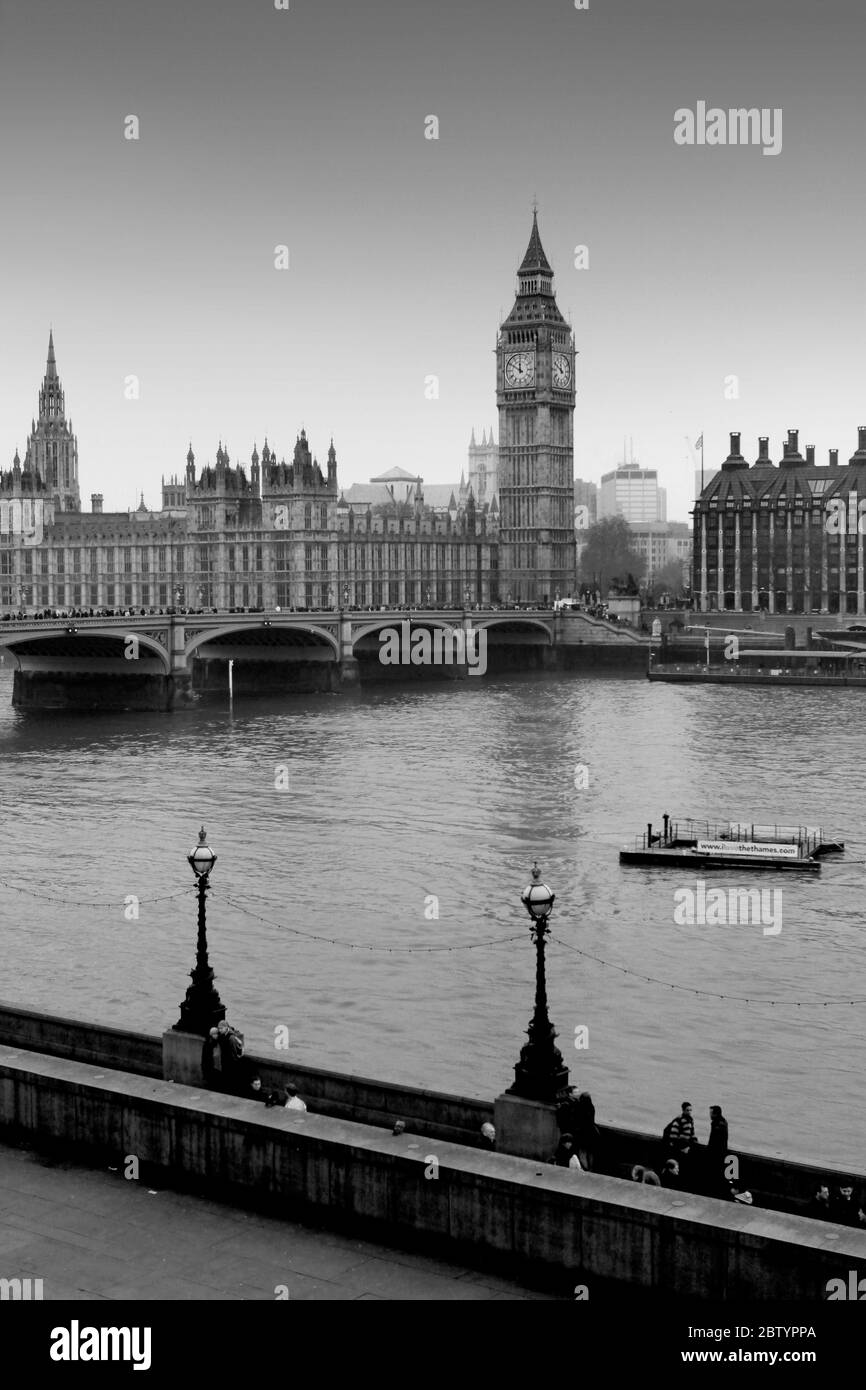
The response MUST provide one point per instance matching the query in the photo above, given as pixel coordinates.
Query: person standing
(843, 1208)
(586, 1131)
(670, 1176)
(679, 1135)
(212, 1062)
(819, 1207)
(717, 1151)
(231, 1049)
(565, 1151)
(293, 1100)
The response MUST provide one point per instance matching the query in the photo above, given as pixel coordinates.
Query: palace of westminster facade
(282, 535)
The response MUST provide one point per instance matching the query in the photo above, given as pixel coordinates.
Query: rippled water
(451, 790)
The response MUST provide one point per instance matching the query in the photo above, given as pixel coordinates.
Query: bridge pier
(84, 690)
(178, 691)
(347, 673)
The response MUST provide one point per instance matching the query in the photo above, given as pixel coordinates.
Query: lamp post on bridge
(202, 1008)
(525, 1115)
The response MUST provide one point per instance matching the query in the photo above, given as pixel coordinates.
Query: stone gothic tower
(483, 468)
(52, 449)
(535, 395)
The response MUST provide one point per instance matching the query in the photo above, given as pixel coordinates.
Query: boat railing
(807, 838)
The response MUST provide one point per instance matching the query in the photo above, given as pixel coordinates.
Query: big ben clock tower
(535, 394)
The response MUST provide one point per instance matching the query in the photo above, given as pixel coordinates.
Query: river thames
(343, 824)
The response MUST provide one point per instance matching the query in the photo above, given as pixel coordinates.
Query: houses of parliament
(283, 534)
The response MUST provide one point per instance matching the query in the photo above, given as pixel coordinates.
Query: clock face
(561, 369)
(520, 369)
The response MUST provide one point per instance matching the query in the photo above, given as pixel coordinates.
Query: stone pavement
(91, 1234)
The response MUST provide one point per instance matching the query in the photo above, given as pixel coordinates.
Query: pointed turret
(535, 259)
(536, 301)
(52, 449)
(472, 443)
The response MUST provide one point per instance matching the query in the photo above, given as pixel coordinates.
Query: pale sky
(305, 127)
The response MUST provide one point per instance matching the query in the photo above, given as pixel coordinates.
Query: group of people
(52, 613)
(690, 1166)
(225, 1068)
(840, 1206)
(579, 1134)
(686, 1165)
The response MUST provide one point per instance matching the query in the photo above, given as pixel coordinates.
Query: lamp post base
(181, 1057)
(527, 1128)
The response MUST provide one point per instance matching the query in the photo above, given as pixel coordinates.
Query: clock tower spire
(535, 395)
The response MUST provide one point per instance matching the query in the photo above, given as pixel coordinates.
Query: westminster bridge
(165, 660)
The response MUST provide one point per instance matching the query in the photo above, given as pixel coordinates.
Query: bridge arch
(515, 623)
(272, 626)
(75, 643)
(394, 620)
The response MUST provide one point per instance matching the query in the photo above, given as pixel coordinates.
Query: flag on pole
(699, 443)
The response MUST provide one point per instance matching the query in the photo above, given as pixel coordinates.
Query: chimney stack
(763, 460)
(96, 502)
(861, 439)
(792, 441)
(810, 455)
(834, 458)
(735, 458)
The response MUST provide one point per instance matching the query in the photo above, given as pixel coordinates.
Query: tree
(609, 553)
(668, 580)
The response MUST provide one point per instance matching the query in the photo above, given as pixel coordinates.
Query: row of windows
(244, 559)
(453, 589)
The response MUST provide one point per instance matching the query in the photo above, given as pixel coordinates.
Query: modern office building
(662, 543)
(633, 493)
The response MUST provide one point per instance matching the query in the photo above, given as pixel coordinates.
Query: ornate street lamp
(540, 1074)
(202, 1009)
